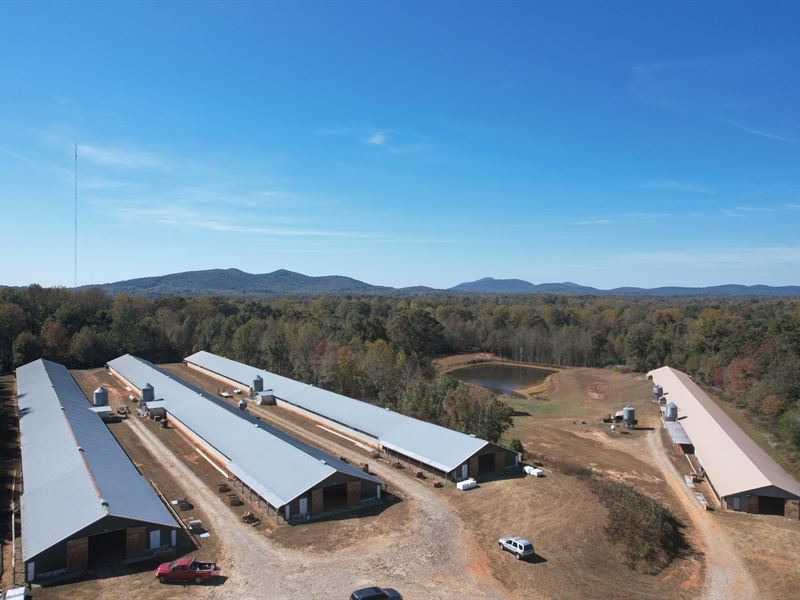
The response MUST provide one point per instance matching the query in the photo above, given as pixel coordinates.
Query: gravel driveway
(434, 557)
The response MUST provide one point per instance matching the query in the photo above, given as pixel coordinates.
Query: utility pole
(76, 217)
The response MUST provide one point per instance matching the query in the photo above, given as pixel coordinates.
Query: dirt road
(432, 558)
(726, 574)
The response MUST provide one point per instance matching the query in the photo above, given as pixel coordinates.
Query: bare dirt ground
(735, 555)
(402, 545)
(549, 510)
(9, 480)
(442, 543)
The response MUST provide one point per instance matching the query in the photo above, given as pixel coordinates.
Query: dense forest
(380, 349)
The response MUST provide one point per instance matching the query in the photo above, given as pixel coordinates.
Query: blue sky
(401, 143)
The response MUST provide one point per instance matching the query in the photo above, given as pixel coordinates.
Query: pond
(501, 378)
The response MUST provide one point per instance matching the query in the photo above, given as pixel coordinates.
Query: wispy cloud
(127, 158)
(748, 210)
(18, 156)
(192, 217)
(746, 91)
(595, 222)
(184, 217)
(677, 186)
(759, 132)
(758, 256)
(391, 141)
(379, 138)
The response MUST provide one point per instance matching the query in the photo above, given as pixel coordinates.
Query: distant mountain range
(233, 282)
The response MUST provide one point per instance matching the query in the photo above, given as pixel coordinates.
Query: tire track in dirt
(430, 559)
(726, 574)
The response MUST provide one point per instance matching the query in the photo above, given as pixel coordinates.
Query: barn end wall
(53, 561)
(738, 502)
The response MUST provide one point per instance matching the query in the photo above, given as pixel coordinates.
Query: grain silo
(629, 416)
(148, 393)
(100, 397)
(671, 412)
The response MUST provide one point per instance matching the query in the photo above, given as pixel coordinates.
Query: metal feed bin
(258, 383)
(100, 397)
(242, 404)
(148, 393)
(671, 412)
(658, 391)
(629, 416)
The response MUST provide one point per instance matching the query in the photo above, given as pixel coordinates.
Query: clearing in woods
(443, 543)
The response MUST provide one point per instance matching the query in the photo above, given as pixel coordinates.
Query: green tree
(416, 332)
(90, 349)
(27, 347)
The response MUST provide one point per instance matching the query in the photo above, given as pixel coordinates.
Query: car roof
(186, 560)
(521, 540)
(367, 592)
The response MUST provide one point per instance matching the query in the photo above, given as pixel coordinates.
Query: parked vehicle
(376, 593)
(186, 569)
(519, 547)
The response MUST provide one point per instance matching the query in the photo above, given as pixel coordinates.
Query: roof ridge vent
(472, 435)
(323, 461)
(103, 502)
(80, 448)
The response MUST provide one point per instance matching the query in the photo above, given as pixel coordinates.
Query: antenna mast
(76, 216)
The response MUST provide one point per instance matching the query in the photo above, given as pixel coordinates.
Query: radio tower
(76, 216)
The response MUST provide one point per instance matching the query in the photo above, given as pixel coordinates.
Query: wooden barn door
(499, 461)
(317, 501)
(752, 504)
(77, 554)
(136, 541)
(353, 493)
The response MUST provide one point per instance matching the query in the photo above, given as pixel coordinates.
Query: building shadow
(107, 569)
(370, 509)
(515, 473)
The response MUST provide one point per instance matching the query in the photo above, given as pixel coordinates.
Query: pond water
(502, 379)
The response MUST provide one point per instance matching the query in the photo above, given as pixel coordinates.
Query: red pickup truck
(186, 569)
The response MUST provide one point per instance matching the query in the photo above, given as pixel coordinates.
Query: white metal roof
(279, 467)
(71, 463)
(733, 461)
(437, 446)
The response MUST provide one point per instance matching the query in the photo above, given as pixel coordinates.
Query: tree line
(380, 349)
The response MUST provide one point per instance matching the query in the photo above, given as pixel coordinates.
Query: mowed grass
(586, 394)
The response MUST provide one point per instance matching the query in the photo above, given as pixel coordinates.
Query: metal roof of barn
(75, 473)
(436, 446)
(274, 464)
(733, 461)
(676, 432)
